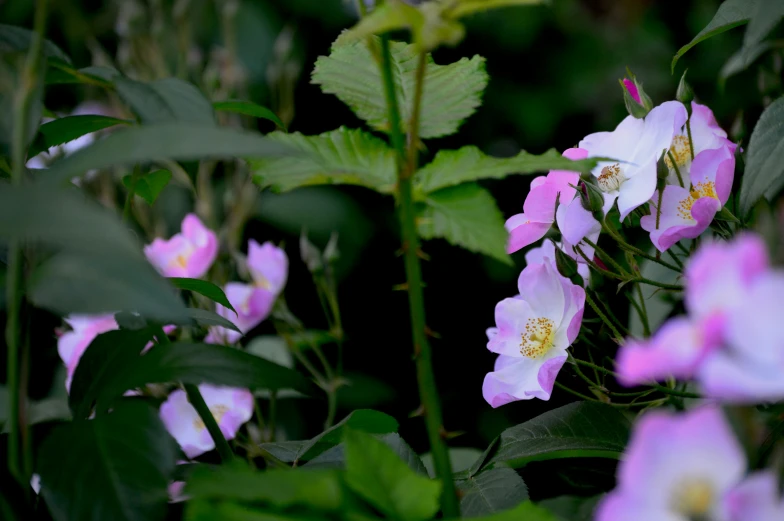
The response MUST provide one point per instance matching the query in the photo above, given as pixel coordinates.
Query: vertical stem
(197, 400)
(18, 443)
(407, 213)
(675, 167)
(646, 327)
(605, 319)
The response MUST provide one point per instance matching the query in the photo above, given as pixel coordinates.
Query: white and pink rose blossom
(188, 254)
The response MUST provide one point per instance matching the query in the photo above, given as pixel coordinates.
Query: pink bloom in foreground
(230, 407)
(532, 333)
(636, 145)
(72, 344)
(268, 267)
(187, 254)
(539, 207)
(680, 467)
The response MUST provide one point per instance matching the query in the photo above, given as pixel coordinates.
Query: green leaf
(469, 7)
(14, 38)
(764, 175)
(166, 100)
(740, 61)
(203, 287)
(376, 473)
(124, 460)
(41, 411)
(60, 72)
(466, 215)
(526, 511)
(122, 369)
(451, 93)
(765, 15)
(205, 510)
(281, 488)
(149, 186)
(453, 167)
(731, 14)
(342, 156)
(208, 318)
(179, 141)
(271, 348)
(461, 459)
(572, 508)
(373, 422)
(336, 456)
(67, 129)
(248, 108)
(580, 429)
(491, 491)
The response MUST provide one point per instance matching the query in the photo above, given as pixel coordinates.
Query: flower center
(538, 337)
(680, 151)
(218, 411)
(694, 499)
(262, 282)
(698, 191)
(611, 178)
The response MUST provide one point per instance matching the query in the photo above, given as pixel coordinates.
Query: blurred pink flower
(684, 466)
(539, 206)
(636, 145)
(532, 333)
(72, 344)
(268, 267)
(230, 407)
(187, 254)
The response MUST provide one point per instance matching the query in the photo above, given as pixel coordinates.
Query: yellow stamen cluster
(611, 178)
(218, 411)
(538, 337)
(680, 150)
(694, 499)
(703, 189)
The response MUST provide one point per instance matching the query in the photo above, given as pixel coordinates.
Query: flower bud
(331, 252)
(685, 94)
(662, 170)
(567, 266)
(637, 101)
(592, 200)
(311, 255)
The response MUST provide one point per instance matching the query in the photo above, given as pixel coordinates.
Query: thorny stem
(18, 440)
(406, 209)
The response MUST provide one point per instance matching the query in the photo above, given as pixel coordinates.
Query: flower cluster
(191, 253)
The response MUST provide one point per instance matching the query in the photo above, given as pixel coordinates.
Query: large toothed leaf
(452, 167)
(580, 429)
(166, 100)
(491, 491)
(451, 92)
(343, 156)
(465, 215)
(731, 14)
(764, 176)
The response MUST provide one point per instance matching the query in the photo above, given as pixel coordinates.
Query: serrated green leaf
(526, 511)
(124, 459)
(467, 216)
(203, 287)
(461, 459)
(764, 175)
(166, 100)
(740, 61)
(491, 491)
(376, 473)
(342, 156)
(572, 508)
(468, 7)
(13, 38)
(67, 129)
(580, 429)
(248, 108)
(336, 456)
(731, 14)
(149, 186)
(453, 167)
(765, 15)
(451, 92)
(179, 141)
(207, 318)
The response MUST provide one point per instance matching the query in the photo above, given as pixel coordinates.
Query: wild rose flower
(680, 467)
(756, 499)
(532, 333)
(230, 407)
(187, 254)
(72, 344)
(268, 267)
(577, 224)
(539, 207)
(636, 145)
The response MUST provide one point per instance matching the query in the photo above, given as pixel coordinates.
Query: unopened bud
(311, 256)
(637, 101)
(566, 265)
(331, 252)
(662, 170)
(685, 94)
(592, 200)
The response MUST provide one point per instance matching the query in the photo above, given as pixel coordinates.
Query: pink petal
(540, 203)
(523, 232)
(540, 286)
(268, 266)
(519, 379)
(575, 222)
(632, 88)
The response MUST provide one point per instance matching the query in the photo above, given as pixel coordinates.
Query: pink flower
(532, 334)
(72, 344)
(577, 224)
(683, 466)
(230, 407)
(632, 88)
(546, 253)
(268, 267)
(188, 254)
(636, 145)
(539, 207)
(756, 499)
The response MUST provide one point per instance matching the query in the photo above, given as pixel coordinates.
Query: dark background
(553, 79)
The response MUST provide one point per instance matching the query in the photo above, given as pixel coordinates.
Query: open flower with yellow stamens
(230, 407)
(532, 334)
(187, 254)
(685, 467)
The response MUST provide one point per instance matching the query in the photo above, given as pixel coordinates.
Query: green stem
(607, 258)
(197, 400)
(128, 207)
(596, 267)
(18, 442)
(658, 206)
(646, 327)
(663, 285)
(605, 319)
(636, 251)
(663, 389)
(675, 167)
(273, 409)
(691, 143)
(675, 259)
(407, 213)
